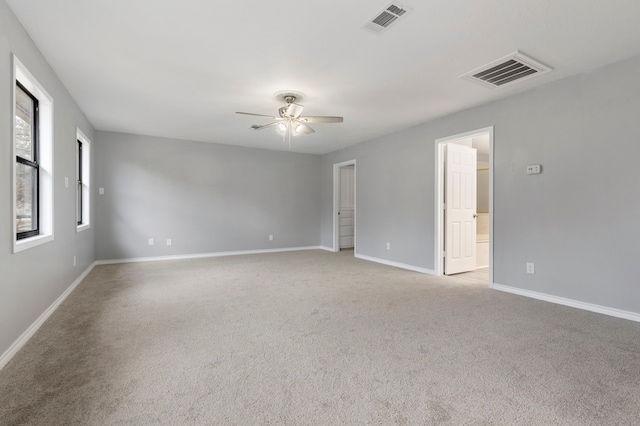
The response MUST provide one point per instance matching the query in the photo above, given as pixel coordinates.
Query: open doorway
(344, 206)
(464, 205)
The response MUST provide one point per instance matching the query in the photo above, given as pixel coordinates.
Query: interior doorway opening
(464, 205)
(344, 206)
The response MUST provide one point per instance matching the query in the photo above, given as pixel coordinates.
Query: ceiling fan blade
(303, 128)
(294, 110)
(259, 115)
(256, 127)
(321, 119)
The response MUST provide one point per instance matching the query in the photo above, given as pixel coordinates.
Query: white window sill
(31, 242)
(83, 227)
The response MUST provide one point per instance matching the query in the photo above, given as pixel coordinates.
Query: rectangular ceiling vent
(381, 22)
(506, 71)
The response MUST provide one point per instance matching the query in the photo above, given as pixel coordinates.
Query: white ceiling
(181, 69)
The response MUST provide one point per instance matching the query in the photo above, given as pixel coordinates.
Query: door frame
(336, 204)
(439, 194)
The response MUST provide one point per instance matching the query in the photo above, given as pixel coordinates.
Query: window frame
(79, 182)
(33, 163)
(45, 143)
(83, 191)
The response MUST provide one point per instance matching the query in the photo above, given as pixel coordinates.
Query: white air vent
(506, 71)
(381, 21)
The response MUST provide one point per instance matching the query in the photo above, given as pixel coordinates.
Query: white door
(346, 211)
(460, 209)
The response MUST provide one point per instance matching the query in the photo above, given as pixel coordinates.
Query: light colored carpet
(316, 338)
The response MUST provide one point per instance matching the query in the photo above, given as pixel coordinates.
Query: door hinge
(444, 254)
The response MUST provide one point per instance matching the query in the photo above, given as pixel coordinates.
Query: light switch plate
(534, 169)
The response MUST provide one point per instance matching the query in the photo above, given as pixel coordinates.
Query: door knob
(475, 215)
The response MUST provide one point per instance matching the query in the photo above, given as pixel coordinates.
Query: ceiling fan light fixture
(289, 120)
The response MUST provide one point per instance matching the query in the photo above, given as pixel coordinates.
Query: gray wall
(392, 178)
(578, 220)
(33, 279)
(205, 197)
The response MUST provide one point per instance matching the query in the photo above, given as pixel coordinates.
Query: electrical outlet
(388, 246)
(270, 237)
(169, 241)
(101, 191)
(66, 181)
(150, 241)
(74, 261)
(530, 269)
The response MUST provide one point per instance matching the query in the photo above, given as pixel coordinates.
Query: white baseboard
(396, 264)
(29, 332)
(327, 248)
(201, 255)
(618, 313)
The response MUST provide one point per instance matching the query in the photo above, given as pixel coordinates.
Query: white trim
(396, 264)
(29, 332)
(327, 248)
(27, 243)
(439, 194)
(336, 202)
(201, 255)
(46, 132)
(618, 313)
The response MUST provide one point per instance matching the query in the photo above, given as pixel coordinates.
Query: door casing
(439, 197)
(336, 204)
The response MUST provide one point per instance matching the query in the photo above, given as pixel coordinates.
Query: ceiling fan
(289, 120)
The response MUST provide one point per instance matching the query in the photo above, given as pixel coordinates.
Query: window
(27, 168)
(83, 176)
(33, 165)
(79, 184)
